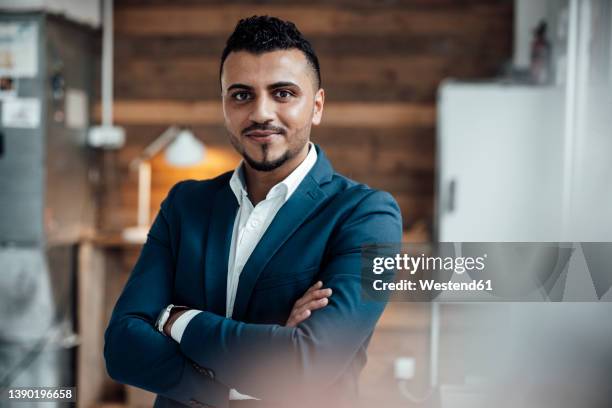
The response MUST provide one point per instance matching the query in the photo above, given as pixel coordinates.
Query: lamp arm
(144, 194)
(156, 146)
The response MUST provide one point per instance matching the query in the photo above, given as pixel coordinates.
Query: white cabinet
(500, 152)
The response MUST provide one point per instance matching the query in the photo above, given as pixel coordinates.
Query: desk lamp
(181, 149)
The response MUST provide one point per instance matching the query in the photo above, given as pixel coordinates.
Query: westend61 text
(430, 284)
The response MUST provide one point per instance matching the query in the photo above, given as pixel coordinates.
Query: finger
(316, 286)
(300, 317)
(296, 319)
(312, 305)
(299, 314)
(312, 295)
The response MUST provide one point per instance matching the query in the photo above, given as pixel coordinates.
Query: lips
(262, 136)
(261, 133)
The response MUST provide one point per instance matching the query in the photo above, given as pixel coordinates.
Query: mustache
(264, 127)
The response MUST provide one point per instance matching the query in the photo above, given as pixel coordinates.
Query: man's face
(269, 104)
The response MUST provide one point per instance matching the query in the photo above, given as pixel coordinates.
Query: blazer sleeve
(276, 362)
(135, 352)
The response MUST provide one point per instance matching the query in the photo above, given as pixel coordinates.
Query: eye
(241, 96)
(283, 94)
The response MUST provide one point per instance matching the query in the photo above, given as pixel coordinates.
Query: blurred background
(488, 120)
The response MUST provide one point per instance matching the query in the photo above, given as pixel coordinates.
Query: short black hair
(259, 34)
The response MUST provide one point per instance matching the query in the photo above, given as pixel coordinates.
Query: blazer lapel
(303, 202)
(217, 249)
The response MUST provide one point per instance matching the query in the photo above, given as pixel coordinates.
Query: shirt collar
(286, 187)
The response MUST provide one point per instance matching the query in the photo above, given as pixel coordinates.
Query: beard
(266, 164)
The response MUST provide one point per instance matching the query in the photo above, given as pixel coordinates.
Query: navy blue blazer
(316, 235)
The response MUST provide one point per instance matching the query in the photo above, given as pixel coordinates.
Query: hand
(175, 313)
(314, 298)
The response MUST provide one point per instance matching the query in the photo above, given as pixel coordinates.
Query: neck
(259, 183)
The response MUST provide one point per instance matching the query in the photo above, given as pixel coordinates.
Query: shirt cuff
(179, 326)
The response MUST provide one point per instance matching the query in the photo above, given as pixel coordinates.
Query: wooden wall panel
(328, 19)
(382, 63)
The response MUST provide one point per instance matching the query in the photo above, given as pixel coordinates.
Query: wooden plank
(407, 78)
(394, 138)
(362, 4)
(496, 46)
(164, 112)
(346, 114)
(91, 317)
(324, 19)
(378, 114)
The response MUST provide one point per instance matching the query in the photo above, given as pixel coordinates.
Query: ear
(319, 100)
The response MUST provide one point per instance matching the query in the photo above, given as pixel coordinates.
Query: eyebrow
(239, 86)
(283, 85)
(275, 85)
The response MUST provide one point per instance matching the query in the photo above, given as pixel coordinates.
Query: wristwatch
(165, 314)
(163, 317)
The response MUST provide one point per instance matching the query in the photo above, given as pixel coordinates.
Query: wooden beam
(350, 114)
(152, 112)
(378, 114)
(496, 45)
(221, 19)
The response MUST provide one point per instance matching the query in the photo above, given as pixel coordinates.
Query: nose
(263, 110)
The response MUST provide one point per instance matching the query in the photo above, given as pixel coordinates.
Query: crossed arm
(269, 361)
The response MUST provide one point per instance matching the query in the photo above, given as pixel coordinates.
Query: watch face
(163, 315)
(159, 319)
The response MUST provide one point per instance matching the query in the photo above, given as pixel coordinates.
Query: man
(264, 262)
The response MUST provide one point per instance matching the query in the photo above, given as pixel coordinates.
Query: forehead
(267, 68)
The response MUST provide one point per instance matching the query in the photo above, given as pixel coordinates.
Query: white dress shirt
(250, 225)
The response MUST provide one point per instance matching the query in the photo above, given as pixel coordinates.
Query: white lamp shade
(186, 150)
